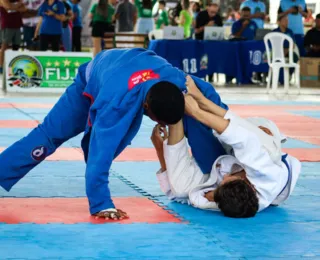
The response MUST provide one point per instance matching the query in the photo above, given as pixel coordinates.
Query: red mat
(25, 105)
(18, 123)
(64, 154)
(75, 210)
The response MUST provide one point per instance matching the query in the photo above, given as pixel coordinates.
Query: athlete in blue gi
(107, 101)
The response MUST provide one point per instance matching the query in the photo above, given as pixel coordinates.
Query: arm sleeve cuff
(229, 115)
(163, 181)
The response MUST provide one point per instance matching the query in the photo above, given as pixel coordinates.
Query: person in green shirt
(101, 15)
(163, 19)
(185, 18)
(145, 22)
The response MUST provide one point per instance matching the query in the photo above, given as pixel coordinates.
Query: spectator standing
(295, 9)
(208, 17)
(101, 14)
(11, 23)
(185, 18)
(258, 11)
(176, 13)
(76, 26)
(125, 16)
(66, 26)
(245, 28)
(145, 22)
(312, 40)
(195, 10)
(52, 14)
(163, 18)
(30, 24)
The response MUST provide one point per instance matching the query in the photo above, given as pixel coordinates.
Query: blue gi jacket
(117, 84)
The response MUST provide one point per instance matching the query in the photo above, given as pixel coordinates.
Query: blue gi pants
(66, 119)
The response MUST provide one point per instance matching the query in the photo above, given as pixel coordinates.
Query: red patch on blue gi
(140, 77)
(39, 153)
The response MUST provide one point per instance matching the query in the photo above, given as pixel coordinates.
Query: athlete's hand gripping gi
(106, 102)
(251, 158)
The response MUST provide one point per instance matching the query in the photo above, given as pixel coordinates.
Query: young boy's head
(164, 103)
(162, 5)
(283, 21)
(76, 2)
(236, 197)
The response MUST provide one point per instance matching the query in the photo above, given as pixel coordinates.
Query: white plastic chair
(277, 60)
(156, 34)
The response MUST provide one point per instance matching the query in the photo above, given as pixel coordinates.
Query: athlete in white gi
(253, 175)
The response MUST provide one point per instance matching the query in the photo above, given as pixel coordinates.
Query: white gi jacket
(252, 150)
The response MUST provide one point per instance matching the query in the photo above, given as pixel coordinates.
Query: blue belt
(283, 159)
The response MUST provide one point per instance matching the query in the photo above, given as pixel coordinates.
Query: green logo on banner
(44, 71)
(25, 72)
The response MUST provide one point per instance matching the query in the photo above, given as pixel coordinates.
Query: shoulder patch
(140, 77)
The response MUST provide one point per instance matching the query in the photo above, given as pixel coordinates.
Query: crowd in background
(55, 23)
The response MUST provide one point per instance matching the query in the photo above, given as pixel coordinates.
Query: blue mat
(111, 241)
(140, 174)
(313, 114)
(70, 187)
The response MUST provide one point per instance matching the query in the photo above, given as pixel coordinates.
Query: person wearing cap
(252, 176)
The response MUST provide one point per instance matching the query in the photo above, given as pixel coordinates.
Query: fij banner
(41, 71)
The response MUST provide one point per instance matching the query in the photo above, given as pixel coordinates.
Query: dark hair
(161, 2)
(281, 16)
(102, 8)
(246, 9)
(237, 199)
(166, 102)
(147, 4)
(186, 4)
(318, 16)
(198, 7)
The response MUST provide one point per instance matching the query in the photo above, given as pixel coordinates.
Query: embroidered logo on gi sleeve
(39, 153)
(140, 77)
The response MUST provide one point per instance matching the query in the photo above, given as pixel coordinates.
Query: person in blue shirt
(244, 28)
(66, 26)
(107, 102)
(283, 28)
(52, 14)
(258, 11)
(296, 10)
(77, 26)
